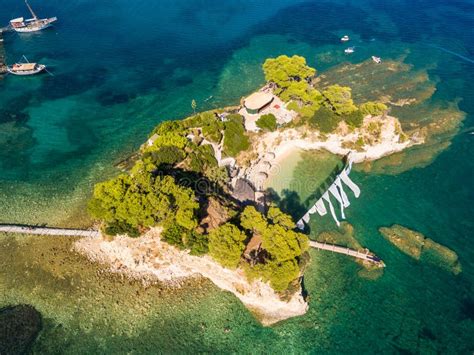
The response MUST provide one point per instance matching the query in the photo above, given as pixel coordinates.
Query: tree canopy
(373, 108)
(267, 122)
(226, 244)
(339, 99)
(283, 246)
(285, 70)
(143, 200)
(235, 139)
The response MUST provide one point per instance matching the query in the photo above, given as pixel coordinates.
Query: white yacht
(33, 24)
(345, 38)
(349, 50)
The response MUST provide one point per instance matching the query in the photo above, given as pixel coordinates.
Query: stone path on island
(19, 229)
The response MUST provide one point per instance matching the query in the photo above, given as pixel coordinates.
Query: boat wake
(460, 56)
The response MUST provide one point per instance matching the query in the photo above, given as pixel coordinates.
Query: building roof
(258, 100)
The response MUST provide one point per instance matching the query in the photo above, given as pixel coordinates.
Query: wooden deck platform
(367, 256)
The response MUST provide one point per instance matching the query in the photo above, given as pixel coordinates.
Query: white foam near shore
(150, 258)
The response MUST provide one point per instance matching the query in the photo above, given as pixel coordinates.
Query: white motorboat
(345, 38)
(33, 24)
(349, 50)
(377, 60)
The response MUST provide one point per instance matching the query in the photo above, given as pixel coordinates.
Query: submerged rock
(408, 241)
(421, 248)
(19, 327)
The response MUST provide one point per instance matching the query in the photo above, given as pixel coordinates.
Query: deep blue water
(120, 67)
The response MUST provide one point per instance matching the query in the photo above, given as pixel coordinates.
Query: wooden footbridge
(367, 256)
(21, 229)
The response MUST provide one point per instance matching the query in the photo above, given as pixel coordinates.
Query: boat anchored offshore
(345, 38)
(33, 24)
(27, 68)
(349, 50)
(377, 60)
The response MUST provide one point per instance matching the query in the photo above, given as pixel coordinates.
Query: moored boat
(33, 24)
(345, 38)
(377, 60)
(24, 69)
(349, 50)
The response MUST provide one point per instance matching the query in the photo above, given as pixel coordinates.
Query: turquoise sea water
(121, 67)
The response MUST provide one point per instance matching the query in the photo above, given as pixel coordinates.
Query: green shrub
(293, 105)
(169, 127)
(339, 99)
(285, 70)
(166, 155)
(354, 119)
(267, 122)
(197, 243)
(143, 200)
(325, 120)
(235, 139)
(174, 235)
(226, 244)
(373, 108)
(202, 158)
(121, 228)
(212, 131)
(283, 246)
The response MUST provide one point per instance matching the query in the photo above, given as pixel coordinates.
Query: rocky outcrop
(421, 248)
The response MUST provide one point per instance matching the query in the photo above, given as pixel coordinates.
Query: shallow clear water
(121, 67)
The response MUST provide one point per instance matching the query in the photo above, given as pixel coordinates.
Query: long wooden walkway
(11, 228)
(347, 251)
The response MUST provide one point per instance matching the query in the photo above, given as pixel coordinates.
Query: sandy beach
(276, 147)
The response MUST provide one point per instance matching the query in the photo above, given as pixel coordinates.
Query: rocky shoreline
(149, 259)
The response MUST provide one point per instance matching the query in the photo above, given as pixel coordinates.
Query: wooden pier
(367, 256)
(19, 229)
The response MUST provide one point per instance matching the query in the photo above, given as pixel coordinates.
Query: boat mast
(31, 10)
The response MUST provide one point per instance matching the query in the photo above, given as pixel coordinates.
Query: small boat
(377, 60)
(349, 50)
(33, 24)
(345, 38)
(24, 69)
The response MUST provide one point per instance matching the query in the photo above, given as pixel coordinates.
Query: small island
(192, 201)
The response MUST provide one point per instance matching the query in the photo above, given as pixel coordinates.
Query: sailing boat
(33, 24)
(26, 68)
